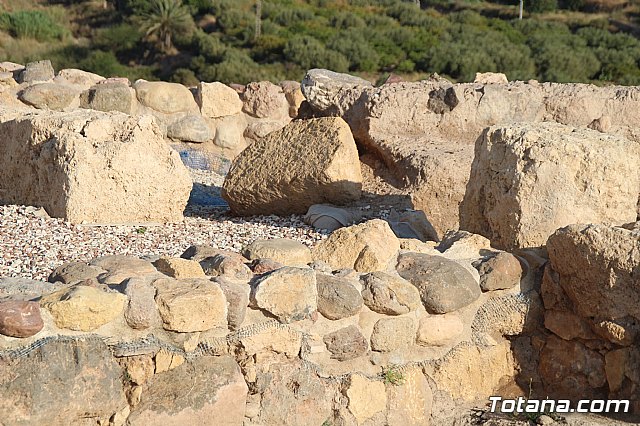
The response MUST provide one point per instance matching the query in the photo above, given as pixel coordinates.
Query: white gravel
(32, 244)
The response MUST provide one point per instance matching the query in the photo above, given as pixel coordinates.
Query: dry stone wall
(297, 344)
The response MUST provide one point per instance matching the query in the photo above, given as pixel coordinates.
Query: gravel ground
(32, 244)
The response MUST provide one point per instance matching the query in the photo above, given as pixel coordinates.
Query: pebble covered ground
(33, 244)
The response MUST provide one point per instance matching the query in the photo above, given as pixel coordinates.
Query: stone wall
(390, 337)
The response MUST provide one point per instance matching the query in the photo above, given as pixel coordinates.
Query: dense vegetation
(193, 40)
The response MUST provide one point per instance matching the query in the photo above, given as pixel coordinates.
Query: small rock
(191, 128)
(179, 268)
(237, 295)
(282, 250)
(444, 284)
(110, 96)
(390, 334)
(217, 100)
(20, 318)
(83, 308)
(366, 397)
(165, 97)
(230, 266)
(346, 343)
(491, 78)
(190, 305)
(74, 272)
(290, 294)
(120, 267)
(500, 272)
(265, 100)
(263, 266)
(36, 71)
(337, 298)
(439, 330)
(52, 96)
(141, 311)
(545, 420)
(388, 294)
(367, 247)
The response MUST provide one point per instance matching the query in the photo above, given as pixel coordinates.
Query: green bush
(307, 52)
(31, 24)
(540, 6)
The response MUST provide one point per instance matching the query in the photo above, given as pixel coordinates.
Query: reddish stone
(262, 266)
(20, 318)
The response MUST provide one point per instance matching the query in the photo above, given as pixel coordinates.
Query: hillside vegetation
(192, 40)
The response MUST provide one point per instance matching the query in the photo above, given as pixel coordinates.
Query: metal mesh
(202, 160)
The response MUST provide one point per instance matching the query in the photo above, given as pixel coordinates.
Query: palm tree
(163, 19)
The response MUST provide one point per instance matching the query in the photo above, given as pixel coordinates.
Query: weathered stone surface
(290, 294)
(390, 334)
(190, 128)
(20, 318)
(167, 98)
(83, 308)
(597, 267)
(206, 388)
(200, 252)
(500, 272)
(410, 403)
(293, 395)
(110, 97)
(217, 100)
(265, 100)
(294, 96)
(285, 251)
(325, 90)
(120, 267)
(140, 311)
(237, 296)
(262, 266)
(274, 340)
(36, 71)
(83, 79)
(366, 397)
(318, 163)
(230, 133)
(491, 78)
(567, 325)
(388, 294)
(25, 289)
(322, 216)
(346, 343)
(439, 330)
(189, 305)
(36, 388)
(121, 164)
(179, 268)
(258, 128)
(552, 175)
(570, 369)
(470, 373)
(444, 285)
(139, 368)
(74, 272)
(464, 245)
(225, 265)
(51, 96)
(366, 247)
(337, 298)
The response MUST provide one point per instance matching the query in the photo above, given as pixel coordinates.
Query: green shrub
(307, 52)
(540, 6)
(32, 24)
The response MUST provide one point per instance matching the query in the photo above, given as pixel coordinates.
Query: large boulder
(77, 77)
(265, 100)
(326, 90)
(597, 269)
(36, 71)
(92, 167)
(527, 180)
(62, 382)
(308, 162)
(207, 388)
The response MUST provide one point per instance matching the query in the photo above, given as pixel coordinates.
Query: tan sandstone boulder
(308, 162)
(167, 98)
(217, 100)
(92, 167)
(528, 180)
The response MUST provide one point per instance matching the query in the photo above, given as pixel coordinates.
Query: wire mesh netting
(202, 160)
(203, 194)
